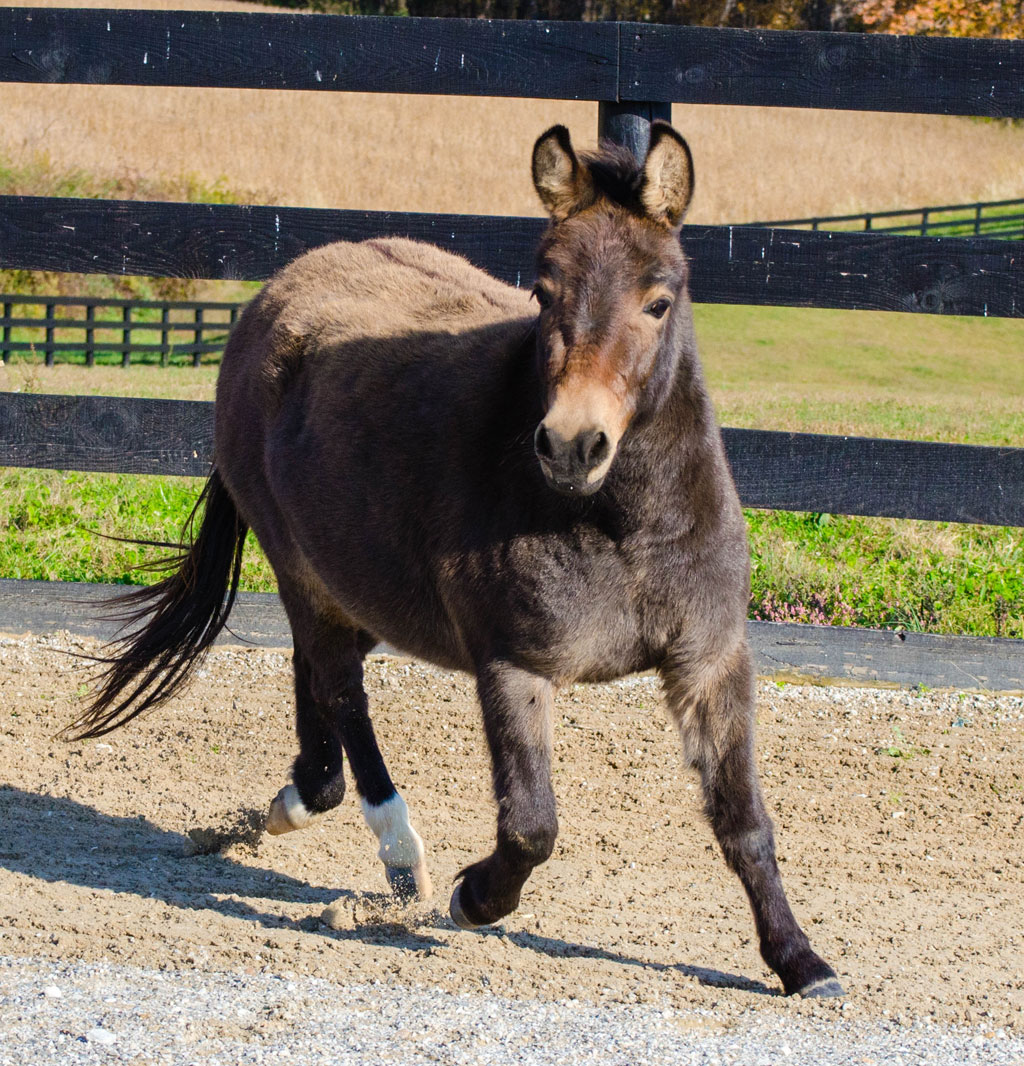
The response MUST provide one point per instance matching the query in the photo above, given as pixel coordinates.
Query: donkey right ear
(563, 183)
(668, 176)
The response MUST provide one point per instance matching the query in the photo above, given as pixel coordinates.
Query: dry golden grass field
(470, 155)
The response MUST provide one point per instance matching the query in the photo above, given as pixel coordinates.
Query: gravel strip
(61, 1013)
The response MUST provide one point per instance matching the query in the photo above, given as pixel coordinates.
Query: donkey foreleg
(517, 711)
(713, 707)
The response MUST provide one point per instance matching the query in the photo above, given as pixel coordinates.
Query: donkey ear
(563, 183)
(668, 176)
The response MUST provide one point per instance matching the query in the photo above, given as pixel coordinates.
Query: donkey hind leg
(714, 711)
(332, 717)
(318, 776)
(517, 709)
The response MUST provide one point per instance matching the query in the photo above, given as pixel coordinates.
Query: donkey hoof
(458, 914)
(822, 988)
(409, 882)
(287, 812)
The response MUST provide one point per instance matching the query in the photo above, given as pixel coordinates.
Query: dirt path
(899, 816)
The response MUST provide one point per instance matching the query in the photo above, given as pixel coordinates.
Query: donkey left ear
(668, 176)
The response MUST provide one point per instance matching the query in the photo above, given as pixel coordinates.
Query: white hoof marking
(287, 812)
(400, 844)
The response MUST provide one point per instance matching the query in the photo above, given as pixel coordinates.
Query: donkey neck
(660, 476)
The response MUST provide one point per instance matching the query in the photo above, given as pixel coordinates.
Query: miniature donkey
(536, 497)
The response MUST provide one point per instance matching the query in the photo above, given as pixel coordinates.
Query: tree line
(958, 18)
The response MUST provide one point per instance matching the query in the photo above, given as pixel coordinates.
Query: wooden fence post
(48, 349)
(126, 335)
(197, 355)
(90, 335)
(165, 347)
(629, 123)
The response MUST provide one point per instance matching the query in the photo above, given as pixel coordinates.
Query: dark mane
(617, 175)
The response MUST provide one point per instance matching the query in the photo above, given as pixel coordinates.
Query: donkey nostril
(542, 443)
(594, 449)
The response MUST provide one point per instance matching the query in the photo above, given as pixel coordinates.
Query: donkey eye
(658, 308)
(542, 295)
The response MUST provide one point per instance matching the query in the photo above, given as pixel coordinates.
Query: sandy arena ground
(899, 819)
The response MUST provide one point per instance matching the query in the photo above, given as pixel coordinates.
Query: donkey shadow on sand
(534, 493)
(134, 857)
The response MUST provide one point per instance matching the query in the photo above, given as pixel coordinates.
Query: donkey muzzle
(575, 466)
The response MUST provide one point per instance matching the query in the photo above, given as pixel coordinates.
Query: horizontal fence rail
(787, 650)
(789, 471)
(971, 219)
(83, 326)
(100, 433)
(473, 57)
(851, 71)
(731, 264)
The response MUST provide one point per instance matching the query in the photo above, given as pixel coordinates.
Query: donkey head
(611, 284)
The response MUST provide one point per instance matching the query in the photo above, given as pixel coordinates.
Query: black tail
(183, 615)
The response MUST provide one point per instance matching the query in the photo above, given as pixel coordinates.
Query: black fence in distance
(989, 218)
(86, 328)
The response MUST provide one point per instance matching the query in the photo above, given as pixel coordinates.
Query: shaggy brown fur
(536, 498)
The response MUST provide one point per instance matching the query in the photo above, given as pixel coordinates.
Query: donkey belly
(363, 538)
(368, 368)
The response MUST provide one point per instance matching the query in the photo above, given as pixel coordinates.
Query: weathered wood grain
(862, 271)
(731, 264)
(867, 476)
(852, 71)
(785, 471)
(233, 241)
(78, 607)
(101, 433)
(566, 60)
(467, 57)
(872, 656)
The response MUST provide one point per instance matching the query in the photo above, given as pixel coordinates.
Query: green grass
(870, 373)
(932, 577)
(825, 569)
(882, 375)
(55, 526)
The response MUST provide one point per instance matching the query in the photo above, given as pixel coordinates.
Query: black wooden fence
(86, 327)
(82, 328)
(993, 218)
(635, 72)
